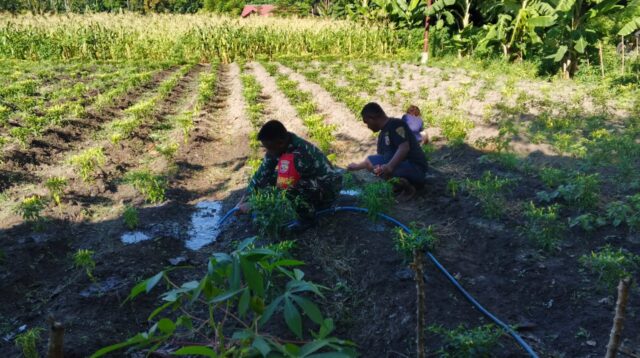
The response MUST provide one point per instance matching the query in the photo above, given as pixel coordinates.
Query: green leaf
(630, 27)
(311, 347)
(565, 5)
(288, 262)
(253, 276)
(225, 296)
(261, 345)
(562, 50)
(138, 338)
(330, 355)
(541, 21)
(153, 281)
(268, 312)
(309, 308)
(234, 280)
(581, 44)
(243, 305)
(166, 326)
(196, 350)
(326, 328)
(158, 310)
(292, 318)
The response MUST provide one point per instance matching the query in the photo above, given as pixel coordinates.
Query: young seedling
(83, 259)
(543, 225)
(88, 162)
(130, 217)
(27, 342)
(376, 197)
(463, 342)
(150, 185)
(30, 209)
(56, 186)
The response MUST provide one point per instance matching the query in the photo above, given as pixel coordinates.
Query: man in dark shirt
(297, 166)
(399, 154)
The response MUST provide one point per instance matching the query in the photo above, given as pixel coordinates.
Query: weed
(543, 226)
(30, 209)
(271, 209)
(130, 216)
(27, 342)
(611, 265)
(377, 197)
(56, 186)
(488, 190)
(83, 259)
(150, 185)
(453, 187)
(88, 162)
(463, 342)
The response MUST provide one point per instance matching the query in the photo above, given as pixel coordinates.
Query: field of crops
(115, 165)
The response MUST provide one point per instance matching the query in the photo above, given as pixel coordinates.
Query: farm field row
(532, 192)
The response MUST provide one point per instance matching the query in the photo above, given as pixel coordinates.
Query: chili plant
(543, 225)
(376, 197)
(271, 210)
(130, 217)
(148, 184)
(27, 342)
(463, 342)
(56, 187)
(30, 209)
(88, 162)
(83, 259)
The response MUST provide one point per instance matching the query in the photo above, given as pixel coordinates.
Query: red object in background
(260, 10)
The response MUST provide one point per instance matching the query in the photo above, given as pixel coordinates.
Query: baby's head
(414, 111)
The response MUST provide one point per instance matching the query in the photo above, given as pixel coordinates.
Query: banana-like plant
(575, 30)
(517, 24)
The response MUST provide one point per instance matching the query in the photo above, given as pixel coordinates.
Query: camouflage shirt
(314, 169)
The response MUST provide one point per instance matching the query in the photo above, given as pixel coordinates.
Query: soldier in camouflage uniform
(295, 165)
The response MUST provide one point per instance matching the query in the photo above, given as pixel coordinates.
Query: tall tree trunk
(425, 47)
(624, 51)
(601, 58)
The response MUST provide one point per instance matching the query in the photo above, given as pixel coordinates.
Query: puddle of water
(134, 237)
(351, 192)
(204, 224)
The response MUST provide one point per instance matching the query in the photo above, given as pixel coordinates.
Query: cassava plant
(412, 245)
(232, 306)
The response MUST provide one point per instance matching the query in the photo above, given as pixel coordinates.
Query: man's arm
(398, 157)
(265, 175)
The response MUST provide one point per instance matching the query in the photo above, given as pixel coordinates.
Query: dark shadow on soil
(371, 292)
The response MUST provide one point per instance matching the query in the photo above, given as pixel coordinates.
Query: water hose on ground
(438, 265)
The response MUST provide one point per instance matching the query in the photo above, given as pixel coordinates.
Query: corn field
(188, 37)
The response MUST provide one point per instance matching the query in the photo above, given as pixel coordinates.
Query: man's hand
(353, 166)
(243, 207)
(384, 170)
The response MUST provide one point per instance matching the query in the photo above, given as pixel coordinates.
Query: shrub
(30, 209)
